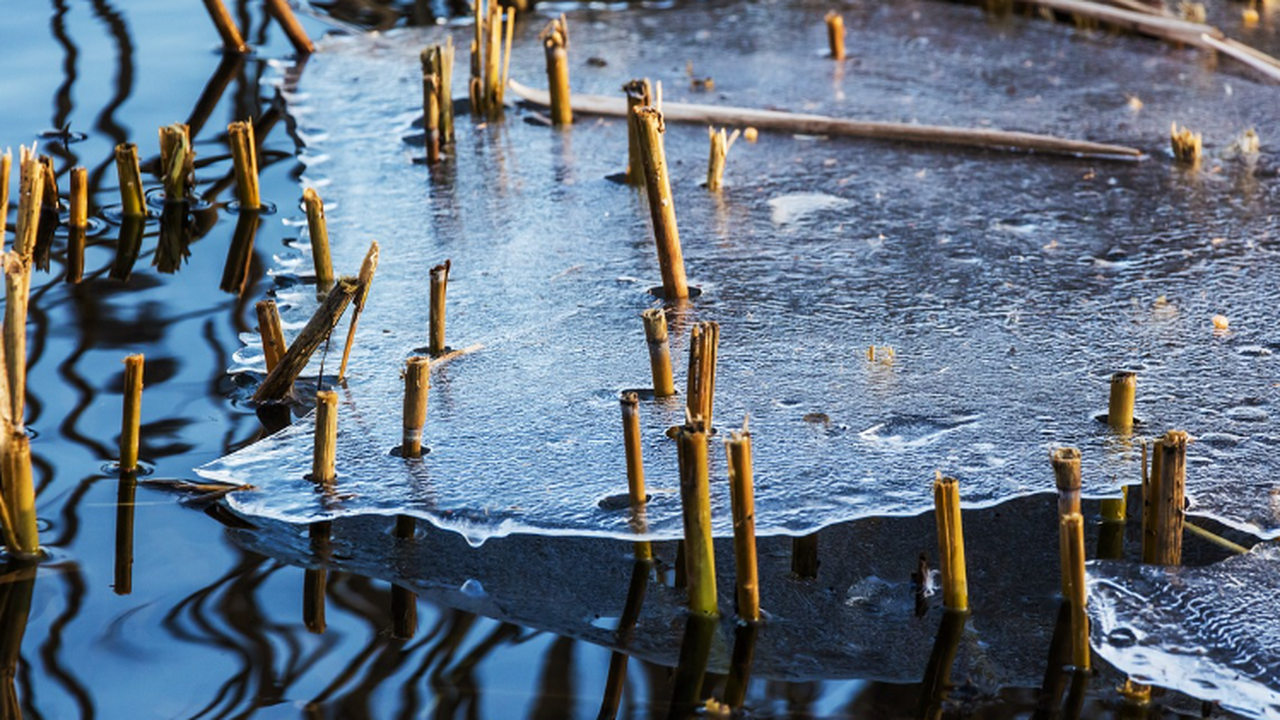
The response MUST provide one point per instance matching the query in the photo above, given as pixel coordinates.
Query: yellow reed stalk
(131, 417)
(555, 44)
(649, 129)
(635, 469)
(79, 215)
(835, 34)
(292, 28)
(324, 456)
(417, 383)
(1066, 475)
(6, 162)
(506, 56)
(368, 267)
(655, 335)
(132, 202)
(1163, 501)
(1186, 144)
(431, 116)
(1124, 390)
(704, 344)
(639, 94)
(318, 229)
(279, 382)
(177, 161)
(17, 286)
(271, 331)
(742, 496)
(1076, 591)
(437, 61)
(720, 144)
(955, 584)
(232, 41)
(244, 153)
(20, 495)
(31, 191)
(695, 503)
(493, 60)
(439, 288)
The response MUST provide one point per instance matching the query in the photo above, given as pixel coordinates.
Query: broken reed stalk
(31, 190)
(325, 451)
(955, 584)
(807, 124)
(704, 345)
(720, 144)
(417, 384)
(132, 202)
(431, 117)
(244, 153)
(555, 44)
(79, 212)
(635, 469)
(1066, 475)
(17, 286)
(639, 94)
(1186, 144)
(742, 497)
(439, 288)
(1071, 535)
(368, 267)
(649, 129)
(318, 229)
(489, 64)
(232, 41)
(131, 416)
(272, 332)
(292, 28)
(177, 161)
(695, 503)
(278, 382)
(20, 495)
(1124, 388)
(6, 163)
(1163, 500)
(655, 335)
(835, 34)
(437, 61)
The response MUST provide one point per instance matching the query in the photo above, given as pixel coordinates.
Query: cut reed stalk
(489, 63)
(1124, 390)
(324, 456)
(649, 129)
(177, 161)
(6, 163)
(293, 29)
(278, 382)
(1072, 540)
(1066, 475)
(955, 584)
(835, 34)
(244, 153)
(232, 41)
(31, 190)
(639, 94)
(555, 44)
(417, 384)
(313, 590)
(431, 117)
(271, 331)
(655, 334)
(20, 495)
(630, 404)
(132, 201)
(17, 285)
(404, 613)
(318, 229)
(704, 345)
(739, 678)
(720, 144)
(437, 61)
(439, 288)
(235, 272)
(368, 267)
(131, 417)
(1186, 144)
(804, 556)
(742, 497)
(1163, 501)
(79, 213)
(695, 502)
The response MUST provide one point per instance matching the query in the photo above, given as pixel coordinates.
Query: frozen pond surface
(1009, 286)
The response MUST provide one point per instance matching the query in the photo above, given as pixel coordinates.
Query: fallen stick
(279, 381)
(808, 124)
(367, 269)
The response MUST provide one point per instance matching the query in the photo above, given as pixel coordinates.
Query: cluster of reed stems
(490, 60)
(233, 40)
(437, 97)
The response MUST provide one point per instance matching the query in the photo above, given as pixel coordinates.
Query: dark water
(150, 608)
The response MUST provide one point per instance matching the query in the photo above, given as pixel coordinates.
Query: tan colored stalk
(368, 267)
(1186, 144)
(439, 288)
(6, 163)
(324, 456)
(1066, 475)
(506, 56)
(417, 384)
(272, 333)
(279, 382)
(244, 153)
(704, 345)
(649, 128)
(720, 144)
(177, 161)
(555, 44)
(835, 34)
(655, 335)
(695, 503)
(437, 61)
(319, 232)
(808, 124)
(1124, 386)
(232, 41)
(17, 285)
(31, 191)
(292, 28)
(1214, 538)
(493, 60)
(955, 584)
(1163, 501)
(1072, 541)
(431, 117)
(131, 417)
(20, 495)
(79, 214)
(742, 496)
(639, 94)
(635, 470)
(132, 201)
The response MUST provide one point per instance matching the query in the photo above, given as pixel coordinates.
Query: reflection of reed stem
(742, 496)
(744, 650)
(125, 493)
(131, 420)
(804, 556)
(955, 584)
(325, 451)
(416, 386)
(937, 674)
(1163, 502)
(649, 129)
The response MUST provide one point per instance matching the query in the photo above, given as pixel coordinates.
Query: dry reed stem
(278, 382)
(695, 503)
(292, 28)
(437, 61)
(132, 201)
(1124, 388)
(639, 93)
(1066, 476)
(232, 41)
(635, 470)
(1163, 501)
(704, 345)
(79, 213)
(439, 288)
(655, 334)
(272, 333)
(742, 497)
(1214, 538)
(506, 56)
(6, 163)
(17, 285)
(318, 229)
(325, 450)
(835, 34)
(955, 584)
(131, 416)
(720, 144)
(555, 44)
(244, 153)
(493, 60)
(820, 125)
(417, 383)
(31, 190)
(20, 495)
(1075, 590)
(431, 116)
(649, 128)
(368, 267)
(1186, 144)
(177, 161)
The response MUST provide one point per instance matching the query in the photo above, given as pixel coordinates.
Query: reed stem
(1186, 145)
(6, 163)
(1163, 501)
(955, 584)
(20, 495)
(177, 161)
(431, 117)
(17, 285)
(649, 129)
(1066, 475)
(742, 496)
(368, 267)
(417, 383)
(555, 44)
(720, 144)
(292, 28)
(244, 153)
(635, 470)
(132, 201)
(655, 334)
(639, 94)
(835, 34)
(439, 288)
(1124, 387)
(231, 38)
(324, 457)
(318, 229)
(278, 382)
(704, 345)
(1073, 558)
(131, 417)
(79, 214)
(272, 332)
(437, 61)
(695, 502)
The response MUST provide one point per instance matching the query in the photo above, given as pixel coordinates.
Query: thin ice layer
(1209, 631)
(1008, 286)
